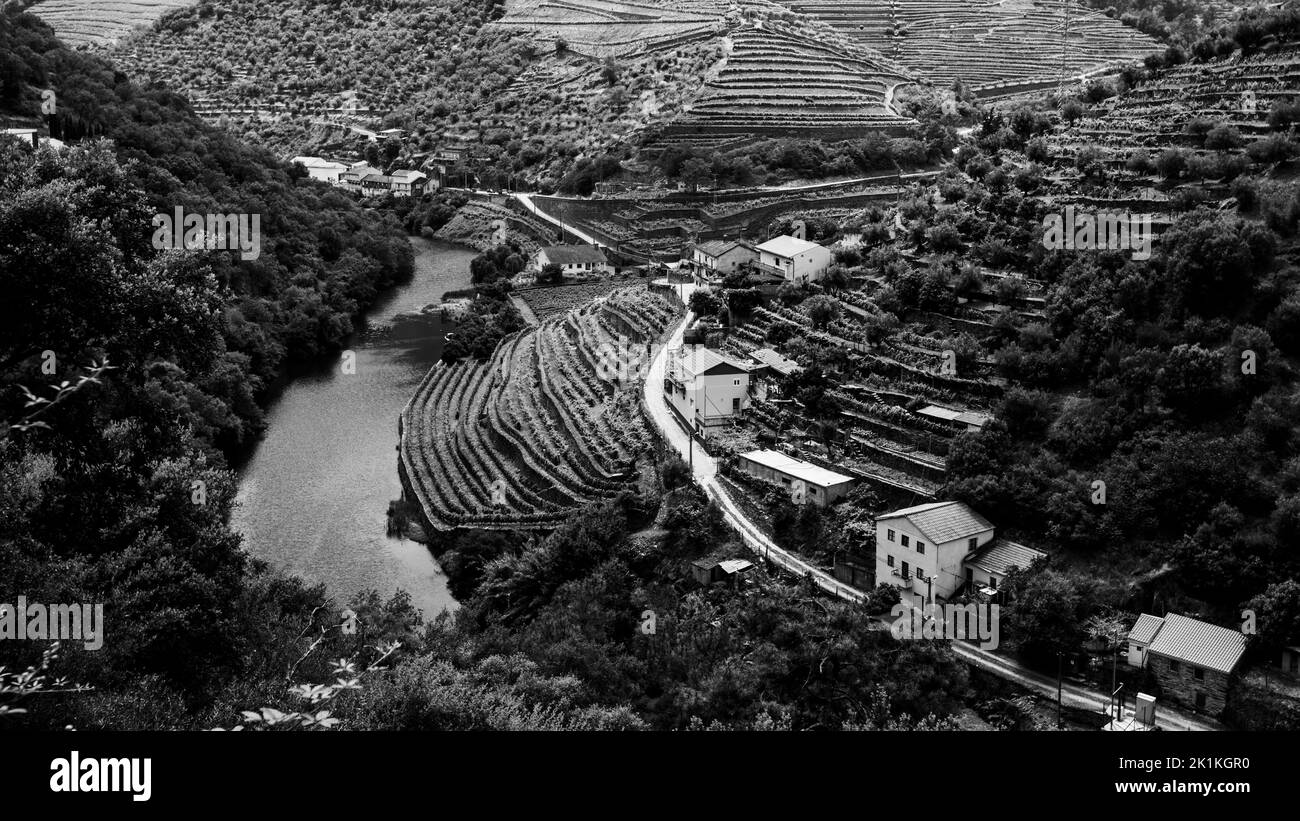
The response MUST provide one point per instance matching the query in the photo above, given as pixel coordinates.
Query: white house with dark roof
(798, 260)
(574, 260)
(1193, 662)
(921, 549)
(705, 387)
(806, 482)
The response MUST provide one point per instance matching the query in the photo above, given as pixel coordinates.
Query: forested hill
(322, 257)
(113, 489)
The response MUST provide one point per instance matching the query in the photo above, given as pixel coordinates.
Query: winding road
(705, 470)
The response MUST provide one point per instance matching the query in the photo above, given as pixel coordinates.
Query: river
(313, 497)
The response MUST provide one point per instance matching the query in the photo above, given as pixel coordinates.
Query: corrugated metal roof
(799, 469)
(943, 522)
(1199, 643)
(1000, 555)
(946, 414)
(776, 361)
(1145, 628)
(735, 565)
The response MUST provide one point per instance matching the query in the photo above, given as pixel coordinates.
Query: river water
(313, 498)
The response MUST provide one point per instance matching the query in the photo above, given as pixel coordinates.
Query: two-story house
(798, 260)
(716, 258)
(705, 387)
(920, 549)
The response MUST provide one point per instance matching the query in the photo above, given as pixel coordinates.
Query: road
(705, 471)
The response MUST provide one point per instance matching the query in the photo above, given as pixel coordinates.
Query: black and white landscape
(652, 365)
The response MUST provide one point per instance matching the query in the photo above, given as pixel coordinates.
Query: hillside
(101, 22)
(994, 46)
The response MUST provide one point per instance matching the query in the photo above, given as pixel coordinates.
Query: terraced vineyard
(101, 22)
(551, 422)
(779, 81)
(618, 29)
(996, 46)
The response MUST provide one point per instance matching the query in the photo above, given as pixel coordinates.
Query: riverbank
(315, 494)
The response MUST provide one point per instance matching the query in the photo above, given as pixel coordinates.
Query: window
(920, 574)
(889, 534)
(1200, 701)
(971, 543)
(993, 582)
(735, 382)
(920, 548)
(889, 560)
(904, 538)
(907, 571)
(1198, 674)
(970, 576)
(1173, 665)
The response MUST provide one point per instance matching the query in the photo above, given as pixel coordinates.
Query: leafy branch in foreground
(35, 405)
(35, 680)
(319, 696)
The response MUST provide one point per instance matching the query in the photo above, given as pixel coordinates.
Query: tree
(695, 171)
(551, 274)
(822, 310)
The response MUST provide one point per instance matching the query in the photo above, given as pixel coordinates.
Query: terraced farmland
(996, 46)
(101, 22)
(617, 29)
(778, 81)
(548, 424)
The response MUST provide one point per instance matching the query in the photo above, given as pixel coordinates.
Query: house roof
(787, 246)
(1199, 643)
(1000, 555)
(973, 418)
(775, 361)
(735, 565)
(799, 469)
(318, 162)
(406, 175)
(942, 522)
(698, 360)
(718, 247)
(1145, 628)
(574, 254)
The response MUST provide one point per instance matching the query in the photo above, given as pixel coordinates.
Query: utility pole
(1059, 681)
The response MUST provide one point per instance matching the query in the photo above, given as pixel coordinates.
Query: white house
(705, 387)
(920, 549)
(798, 260)
(322, 169)
(805, 481)
(574, 260)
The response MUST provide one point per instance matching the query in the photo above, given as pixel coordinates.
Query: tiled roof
(1000, 555)
(574, 254)
(1199, 643)
(696, 360)
(1145, 628)
(718, 247)
(943, 522)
